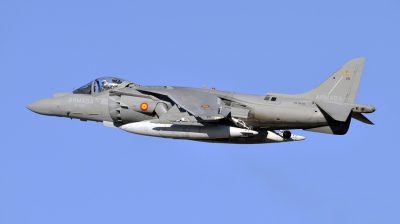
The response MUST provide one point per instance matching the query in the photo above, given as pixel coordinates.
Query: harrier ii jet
(210, 115)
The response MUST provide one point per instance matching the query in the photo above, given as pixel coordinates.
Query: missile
(187, 131)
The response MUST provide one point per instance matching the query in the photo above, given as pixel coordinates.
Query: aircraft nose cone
(42, 106)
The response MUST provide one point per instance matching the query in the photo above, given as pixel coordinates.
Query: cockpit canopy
(99, 85)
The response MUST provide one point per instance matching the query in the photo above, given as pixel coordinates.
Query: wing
(202, 105)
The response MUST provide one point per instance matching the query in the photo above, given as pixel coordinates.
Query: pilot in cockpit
(105, 85)
(115, 82)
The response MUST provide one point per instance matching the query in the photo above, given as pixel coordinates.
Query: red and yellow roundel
(144, 106)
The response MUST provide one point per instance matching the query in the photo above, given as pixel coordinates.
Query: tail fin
(341, 86)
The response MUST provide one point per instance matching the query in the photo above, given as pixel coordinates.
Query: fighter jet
(211, 115)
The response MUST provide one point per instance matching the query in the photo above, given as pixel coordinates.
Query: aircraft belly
(295, 115)
(264, 115)
(286, 117)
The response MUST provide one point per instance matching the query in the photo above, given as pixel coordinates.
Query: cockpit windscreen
(86, 89)
(106, 83)
(99, 85)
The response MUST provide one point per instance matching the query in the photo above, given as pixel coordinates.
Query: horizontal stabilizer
(339, 112)
(362, 118)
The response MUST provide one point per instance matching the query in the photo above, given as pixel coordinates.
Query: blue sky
(56, 170)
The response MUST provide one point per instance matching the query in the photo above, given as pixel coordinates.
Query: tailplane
(341, 86)
(335, 97)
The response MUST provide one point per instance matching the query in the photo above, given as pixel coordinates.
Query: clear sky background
(57, 170)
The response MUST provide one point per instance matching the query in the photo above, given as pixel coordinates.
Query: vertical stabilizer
(341, 86)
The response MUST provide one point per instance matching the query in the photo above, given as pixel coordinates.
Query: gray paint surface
(211, 115)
